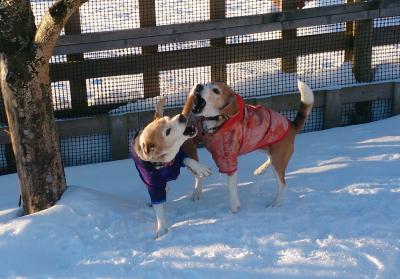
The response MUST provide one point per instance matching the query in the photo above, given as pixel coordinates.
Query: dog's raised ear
(232, 108)
(160, 108)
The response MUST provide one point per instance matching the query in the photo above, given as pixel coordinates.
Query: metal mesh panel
(110, 15)
(3, 161)
(115, 89)
(61, 95)
(378, 110)
(86, 149)
(314, 122)
(255, 65)
(381, 109)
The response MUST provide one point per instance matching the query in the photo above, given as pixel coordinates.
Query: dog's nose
(199, 88)
(182, 118)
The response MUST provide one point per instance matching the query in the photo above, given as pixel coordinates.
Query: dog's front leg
(198, 189)
(234, 203)
(161, 223)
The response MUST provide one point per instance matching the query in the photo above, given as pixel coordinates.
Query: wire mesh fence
(120, 80)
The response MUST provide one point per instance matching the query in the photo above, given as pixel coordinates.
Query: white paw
(197, 193)
(234, 205)
(160, 233)
(198, 169)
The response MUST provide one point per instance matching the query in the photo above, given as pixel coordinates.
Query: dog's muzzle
(199, 102)
(190, 131)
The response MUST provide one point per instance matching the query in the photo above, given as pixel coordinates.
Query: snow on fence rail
(116, 56)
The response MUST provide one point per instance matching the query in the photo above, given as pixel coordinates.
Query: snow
(339, 218)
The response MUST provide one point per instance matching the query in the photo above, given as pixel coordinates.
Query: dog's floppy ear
(160, 108)
(232, 108)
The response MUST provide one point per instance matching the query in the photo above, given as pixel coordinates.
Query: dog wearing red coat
(231, 128)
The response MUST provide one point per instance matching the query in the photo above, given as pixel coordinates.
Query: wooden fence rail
(219, 28)
(118, 126)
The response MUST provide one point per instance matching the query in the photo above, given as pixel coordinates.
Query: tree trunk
(24, 77)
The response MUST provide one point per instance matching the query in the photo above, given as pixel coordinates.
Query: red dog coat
(253, 127)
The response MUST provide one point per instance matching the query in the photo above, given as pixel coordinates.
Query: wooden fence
(356, 40)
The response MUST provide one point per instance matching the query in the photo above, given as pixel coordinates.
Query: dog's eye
(216, 91)
(168, 131)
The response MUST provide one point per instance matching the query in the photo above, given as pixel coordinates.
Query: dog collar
(215, 118)
(159, 165)
(155, 165)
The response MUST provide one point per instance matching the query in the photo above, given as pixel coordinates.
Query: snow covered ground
(339, 219)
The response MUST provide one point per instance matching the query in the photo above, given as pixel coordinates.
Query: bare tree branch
(52, 23)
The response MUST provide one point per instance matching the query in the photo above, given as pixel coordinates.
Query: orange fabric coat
(253, 127)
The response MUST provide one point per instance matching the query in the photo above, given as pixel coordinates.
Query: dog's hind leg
(263, 167)
(280, 177)
(198, 189)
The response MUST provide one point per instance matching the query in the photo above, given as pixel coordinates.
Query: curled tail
(307, 101)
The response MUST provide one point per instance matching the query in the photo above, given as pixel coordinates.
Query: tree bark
(24, 77)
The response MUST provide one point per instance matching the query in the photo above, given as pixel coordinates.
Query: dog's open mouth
(190, 131)
(199, 104)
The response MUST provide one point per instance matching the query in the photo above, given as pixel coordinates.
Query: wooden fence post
(119, 137)
(151, 79)
(349, 26)
(362, 65)
(78, 88)
(217, 11)
(332, 109)
(396, 99)
(289, 63)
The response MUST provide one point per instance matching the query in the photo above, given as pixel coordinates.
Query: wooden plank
(135, 120)
(119, 138)
(200, 57)
(396, 98)
(387, 35)
(83, 126)
(218, 70)
(362, 53)
(151, 79)
(218, 28)
(364, 93)
(206, 56)
(77, 84)
(348, 55)
(332, 109)
(289, 62)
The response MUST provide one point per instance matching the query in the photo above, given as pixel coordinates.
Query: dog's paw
(234, 206)
(160, 233)
(198, 169)
(202, 170)
(276, 202)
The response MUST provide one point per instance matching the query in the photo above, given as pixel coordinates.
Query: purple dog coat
(156, 178)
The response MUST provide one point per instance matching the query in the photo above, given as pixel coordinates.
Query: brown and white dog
(232, 128)
(159, 151)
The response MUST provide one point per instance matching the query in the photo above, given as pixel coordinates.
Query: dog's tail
(307, 101)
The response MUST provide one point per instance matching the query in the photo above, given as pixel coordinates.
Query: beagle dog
(159, 151)
(231, 128)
